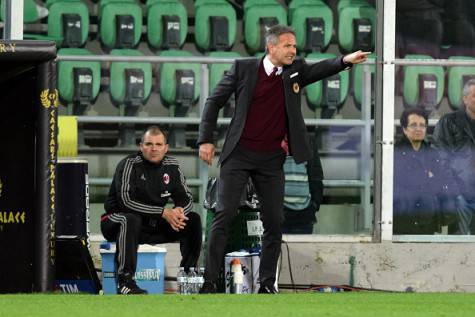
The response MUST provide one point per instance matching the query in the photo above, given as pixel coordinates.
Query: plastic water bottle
(181, 280)
(191, 285)
(200, 278)
(238, 276)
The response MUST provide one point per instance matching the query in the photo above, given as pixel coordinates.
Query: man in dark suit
(266, 120)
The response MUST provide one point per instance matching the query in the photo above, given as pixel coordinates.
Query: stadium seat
(260, 15)
(216, 72)
(179, 91)
(423, 86)
(358, 82)
(356, 26)
(120, 24)
(31, 11)
(130, 82)
(419, 30)
(458, 38)
(457, 76)
(330, 93)
(68, 22)
(167, 24)
(215, 25)
(313, 24)
(78, 81)
(130, 87)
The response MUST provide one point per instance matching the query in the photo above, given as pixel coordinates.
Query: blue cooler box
(150, 274)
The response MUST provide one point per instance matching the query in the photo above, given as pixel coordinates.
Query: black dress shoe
(267, 289)
(208, 288)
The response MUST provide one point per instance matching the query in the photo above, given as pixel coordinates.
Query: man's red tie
(274, 72)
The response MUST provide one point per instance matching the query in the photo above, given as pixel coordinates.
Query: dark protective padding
(83, 82)
(428, 91)
(315, 28)
(363, 33)
(72, 30)
(125, 31)
(331, 91)
(185, 87)
(219, 33)
(171, 31)
(134, 87)
(28, 129)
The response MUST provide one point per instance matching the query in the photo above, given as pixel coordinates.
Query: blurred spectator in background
(423, 186)
(454, 137)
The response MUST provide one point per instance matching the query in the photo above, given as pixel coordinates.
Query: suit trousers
(266, 172)
(129, 230)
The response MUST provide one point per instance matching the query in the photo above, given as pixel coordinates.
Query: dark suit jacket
(241, 80)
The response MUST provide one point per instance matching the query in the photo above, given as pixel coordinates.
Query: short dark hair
(273, 33)
(154, 130)
(404, 120)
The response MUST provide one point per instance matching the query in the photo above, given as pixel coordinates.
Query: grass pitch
(352, 304)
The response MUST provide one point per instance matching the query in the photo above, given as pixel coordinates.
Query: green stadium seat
(68, 22)
(130, 82)
(330, 93)
(312, 22)
(78, 81)
(357, 72)
(216, 71)
(349, 3)
(356, 26)
(49, 3)
(102, 3)
(457, 76)
(259, 15)
(179, 91)
(423, 86)
(130, 87)
(168, 81)
(215, 25)
(167, 24)
(120, 24)
(31, 13)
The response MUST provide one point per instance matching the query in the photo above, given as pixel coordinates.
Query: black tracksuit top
(144, 188)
